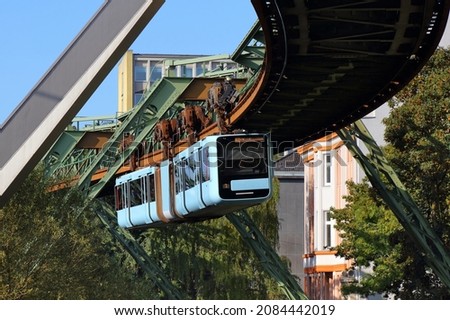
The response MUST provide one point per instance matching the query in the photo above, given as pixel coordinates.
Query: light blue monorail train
(214, 176)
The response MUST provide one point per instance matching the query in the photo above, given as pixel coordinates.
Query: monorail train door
(158, 196)
(173, 191)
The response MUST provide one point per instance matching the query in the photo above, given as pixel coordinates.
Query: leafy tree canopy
(52, 247)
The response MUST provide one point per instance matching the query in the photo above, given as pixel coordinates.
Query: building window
(155, 71)
(327, 169)
(140, 71)
(328, 230)
(216, 66)
(329, 240)
(200, 68)
(231, 66)
(139, 89)
(137, 97)
(187, 71)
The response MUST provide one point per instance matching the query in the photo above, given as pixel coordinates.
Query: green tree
(366, 227)
(418, 136)
(418, 132)
(52, 247)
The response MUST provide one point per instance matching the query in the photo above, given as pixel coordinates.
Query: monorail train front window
(241, 158)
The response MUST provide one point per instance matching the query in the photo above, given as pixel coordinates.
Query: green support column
(397, 198)
(107, 216)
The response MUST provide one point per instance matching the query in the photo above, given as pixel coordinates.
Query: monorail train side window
(122, 198)
(197, 165)
(118, 197)
(190, 173)
(179, 171)
(135, 192)
(206, 174)
(150, 181)
(144, 193)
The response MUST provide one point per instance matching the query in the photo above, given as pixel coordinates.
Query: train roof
(135, 175)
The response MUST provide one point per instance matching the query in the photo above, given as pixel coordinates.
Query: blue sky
(34, 33)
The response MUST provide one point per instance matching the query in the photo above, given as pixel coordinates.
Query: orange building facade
(328, 165)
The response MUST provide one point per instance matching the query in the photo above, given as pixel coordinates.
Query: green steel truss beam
(397, 198)
(251, 50)
(267, 255)
(61, 151)
(140, 123)
(77, 161)
(240, 72)
(148, 265)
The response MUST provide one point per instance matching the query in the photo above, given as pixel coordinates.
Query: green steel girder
(75, 162)
(61, 151)
(239, 72)
(140, 123)
(397, 198)
(253, 59)
(269, 259)
(251, 50)
(148, 265)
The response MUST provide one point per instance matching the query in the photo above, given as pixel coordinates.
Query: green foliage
(418, 136)
(366, 226)
(52, 247)
(418, 130)
(364, 208)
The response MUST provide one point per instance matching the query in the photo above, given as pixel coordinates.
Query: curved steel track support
(275, 36)
(329, 63)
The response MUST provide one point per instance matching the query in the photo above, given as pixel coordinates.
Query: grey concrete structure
(290, 173)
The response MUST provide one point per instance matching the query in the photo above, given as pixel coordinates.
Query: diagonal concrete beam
(41, 117)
